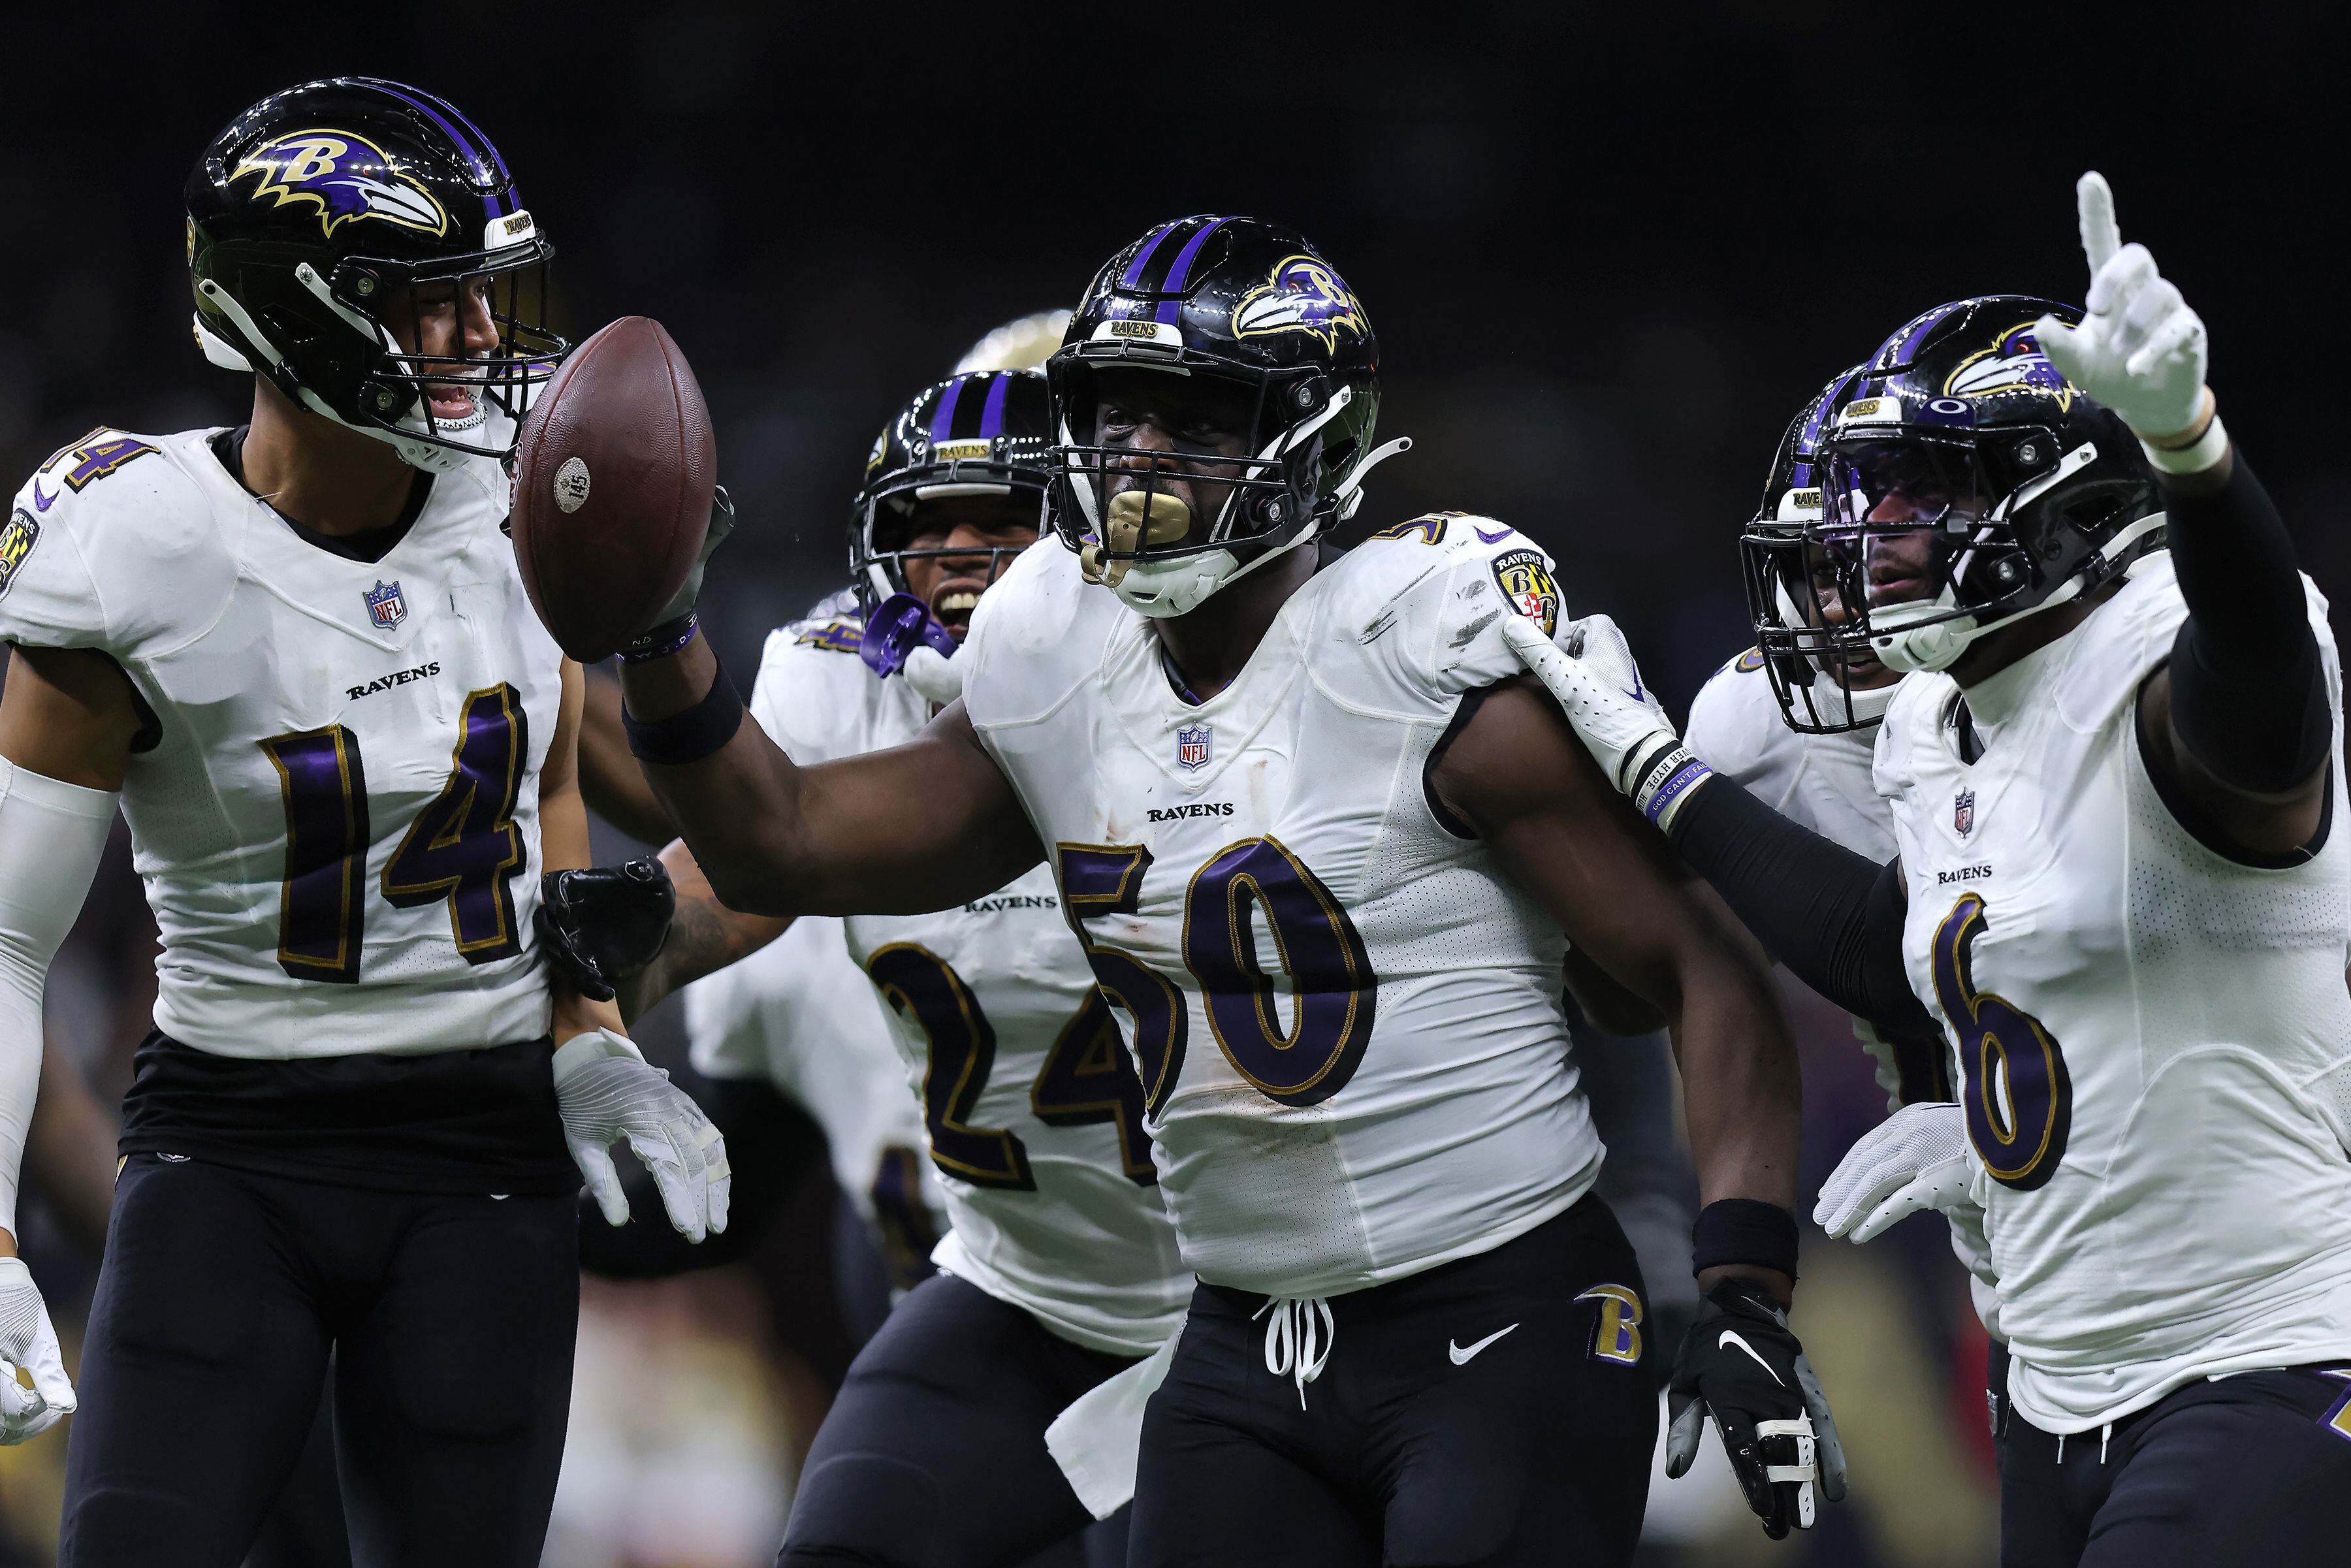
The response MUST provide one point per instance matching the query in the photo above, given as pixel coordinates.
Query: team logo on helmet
(1301, 295)
(2013, 363)
(1526, 581)
(344, 176)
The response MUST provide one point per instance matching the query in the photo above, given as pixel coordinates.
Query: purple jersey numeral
(465, 847)
(320, 911)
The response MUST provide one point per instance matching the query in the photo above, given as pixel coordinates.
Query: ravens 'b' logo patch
(1526, 581)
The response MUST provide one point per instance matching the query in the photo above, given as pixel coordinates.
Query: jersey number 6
(463, 848)
(2019, 1100)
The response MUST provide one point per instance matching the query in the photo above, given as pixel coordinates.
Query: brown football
(613, 479)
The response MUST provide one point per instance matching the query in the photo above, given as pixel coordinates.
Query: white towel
(1098, 1441)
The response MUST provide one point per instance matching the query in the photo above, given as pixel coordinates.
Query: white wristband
(2207, 450)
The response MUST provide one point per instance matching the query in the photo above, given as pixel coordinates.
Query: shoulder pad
(1036, 635)
(1423, 606)
(112, 543)
(840, 634)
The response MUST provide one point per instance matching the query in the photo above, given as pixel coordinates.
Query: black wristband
(1743, 1230)
(690, 736)
(660, 642)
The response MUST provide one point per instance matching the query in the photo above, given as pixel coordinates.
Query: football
(613, 480)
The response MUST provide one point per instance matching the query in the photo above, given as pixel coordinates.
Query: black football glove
(601, 925)
(1740, 1361)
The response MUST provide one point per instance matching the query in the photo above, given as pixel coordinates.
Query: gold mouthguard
(1138, 518)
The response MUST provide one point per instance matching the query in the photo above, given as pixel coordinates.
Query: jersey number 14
(463, 848)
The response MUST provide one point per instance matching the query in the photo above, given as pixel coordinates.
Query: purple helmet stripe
(1808, 441)
(991, 413)
(1142, 257)
(1171, 312)
(1895, 352)
(943, 422)
(483, 156)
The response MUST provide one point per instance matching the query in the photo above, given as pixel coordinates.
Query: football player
(1321, 841)
(296, 653)
(2117, 891)
(1060, 1266)
(1794, 720)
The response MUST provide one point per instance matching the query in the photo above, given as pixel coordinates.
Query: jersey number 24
(463, 848)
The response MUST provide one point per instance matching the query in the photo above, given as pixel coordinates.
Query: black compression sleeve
(1831, 915)
(2248, 689)
(771, 1145)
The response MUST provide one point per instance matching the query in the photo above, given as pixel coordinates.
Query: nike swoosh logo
(1494, 539)
(40, 502)
(1459, 1353)
(1733, 1336)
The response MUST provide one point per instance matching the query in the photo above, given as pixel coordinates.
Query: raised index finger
(2101, 236)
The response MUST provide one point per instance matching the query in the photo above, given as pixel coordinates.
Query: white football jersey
(1033, 1111)
(1347, 1019)
(2153, 1039)
(337, 822)
(1820, 780)
(799, 1014)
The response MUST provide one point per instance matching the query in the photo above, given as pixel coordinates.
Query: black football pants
(1494, 1410)
(933, 1453)
(450, 1322)
(2252, 1469)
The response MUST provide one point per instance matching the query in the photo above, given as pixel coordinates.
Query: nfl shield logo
(386, 608)
(1963, 812)
(1192, 748)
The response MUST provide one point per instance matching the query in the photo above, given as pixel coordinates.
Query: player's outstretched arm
(2240, 721)
(1518, 776)
(68, 720)
(919, 827)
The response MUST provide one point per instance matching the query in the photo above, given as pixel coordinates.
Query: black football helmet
(1233, 299)
(1782, 561)
(985, 433)
(1965, 459)
(315, 220)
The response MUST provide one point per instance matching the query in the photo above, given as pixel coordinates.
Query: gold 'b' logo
(1617, 1335)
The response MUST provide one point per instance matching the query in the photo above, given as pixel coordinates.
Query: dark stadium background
(1607, 249)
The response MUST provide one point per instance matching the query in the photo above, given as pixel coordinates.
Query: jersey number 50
(463, 848)
(2019, 1100)
(1333, 993)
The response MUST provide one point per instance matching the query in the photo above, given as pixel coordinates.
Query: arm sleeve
(770, 1143)
(2249, 693)
(1829, 915)
(51, 836)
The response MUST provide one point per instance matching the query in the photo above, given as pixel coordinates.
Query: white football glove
(1917, 1158)
(2139, 349)
(28, 1341)
(1594, 679)
(606, 1092)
